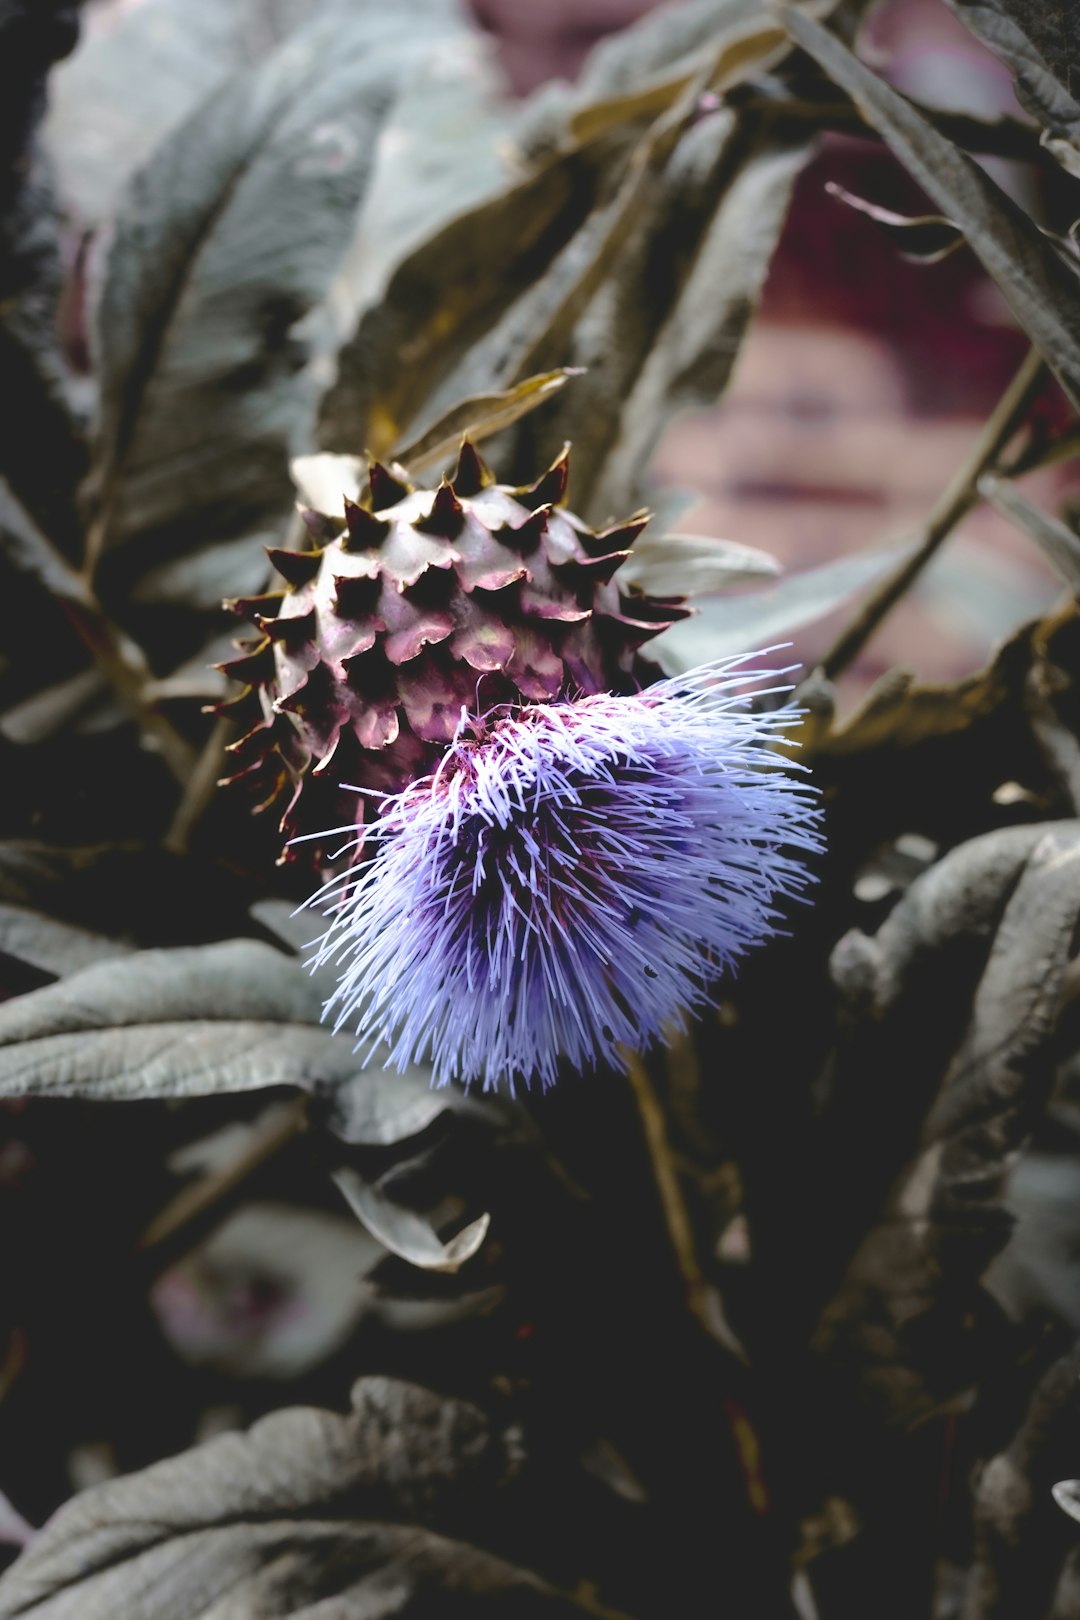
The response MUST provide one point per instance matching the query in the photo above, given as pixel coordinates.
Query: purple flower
(572, 878)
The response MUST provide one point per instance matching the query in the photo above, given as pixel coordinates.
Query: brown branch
(953, 506)
(198, 1208)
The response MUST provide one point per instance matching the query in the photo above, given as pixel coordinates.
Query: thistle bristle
(266, 606)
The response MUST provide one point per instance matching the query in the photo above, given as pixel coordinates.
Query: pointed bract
(472, 593)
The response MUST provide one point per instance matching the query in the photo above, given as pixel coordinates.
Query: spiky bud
(414, 604)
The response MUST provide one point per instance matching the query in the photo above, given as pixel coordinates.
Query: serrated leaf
(1041, 289)
(737, 624)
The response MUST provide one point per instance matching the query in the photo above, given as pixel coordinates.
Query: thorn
(619, 537)
(446, 515)
(255, 668)
(364, 530)
(471, 474)
(597, 569)
(386, 488)
(550, 489)
(525, 537)
(355, 598)
(297, 567)
(249, 607)
(291, 631)
(319, 525)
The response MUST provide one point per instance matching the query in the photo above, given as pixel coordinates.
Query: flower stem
(955, 502)
(676, 1215)
(198, 1208)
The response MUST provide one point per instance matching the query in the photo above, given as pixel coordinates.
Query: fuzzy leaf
(1022, 1541)
(897, 1324)
(1038, 43)
(1038, 285)
(129, 85)
(693, 564)
(310, 1510)
(229, 236)
(237, 1016)
(728, 625)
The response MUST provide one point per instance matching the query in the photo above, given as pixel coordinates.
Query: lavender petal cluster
(570, 882)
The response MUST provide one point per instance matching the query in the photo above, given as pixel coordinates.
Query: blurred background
(864, 380)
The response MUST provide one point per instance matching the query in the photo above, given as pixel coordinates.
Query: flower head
(573, 877)
(379, 635)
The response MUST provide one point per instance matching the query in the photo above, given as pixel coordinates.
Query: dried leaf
(728, 220)
(1021, 1540)
(923, 238)
(404, 1232)
(897, 1324)
(1058, 543)
(407, 350)
(481, 416)
(1036, 282)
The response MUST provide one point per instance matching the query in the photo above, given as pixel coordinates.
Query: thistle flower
(571, 879)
